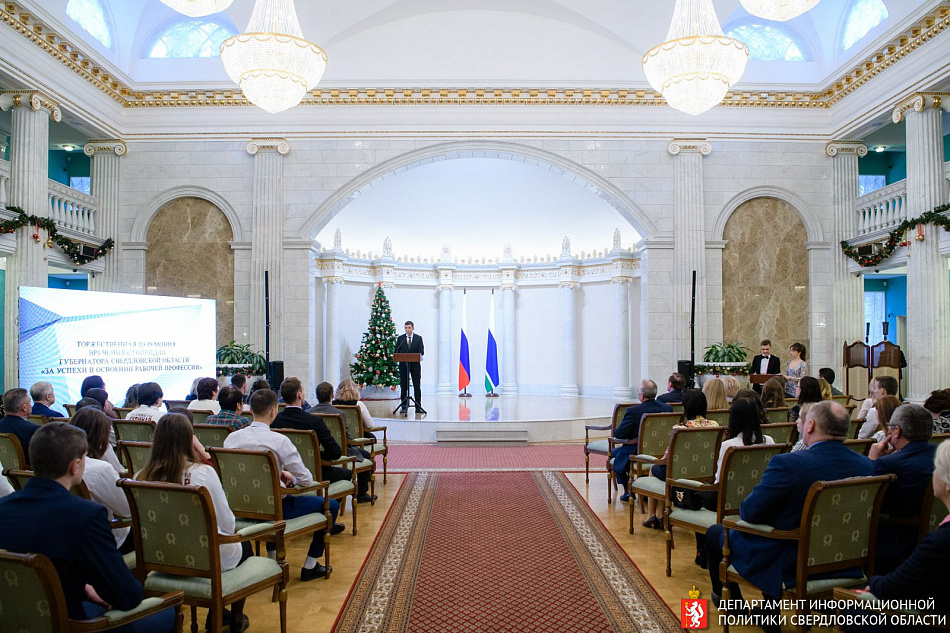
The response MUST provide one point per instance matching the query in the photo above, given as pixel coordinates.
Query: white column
(820, 291)
(267, 241)
(568, 339)
(509, 383)
(928, 296)
(445, 385)
(29, 191)
(689, 235)
(106, 178)
(621, 286)
(333, 330)
(133, 267)
(242, 291)
(657, 354)
(847, 325)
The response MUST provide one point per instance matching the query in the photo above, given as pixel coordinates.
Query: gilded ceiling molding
(279, 145)
(920, 100)
(689, 145)
(32, 99)
(99, 146)
(858, 148)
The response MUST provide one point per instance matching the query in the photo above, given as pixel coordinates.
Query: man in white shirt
(259, 437)
(150, 403)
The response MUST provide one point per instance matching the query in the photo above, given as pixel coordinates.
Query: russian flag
(465, 373)
(491, 358)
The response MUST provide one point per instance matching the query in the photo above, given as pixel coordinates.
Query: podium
(760, 379)
(407, 358)
(408, 399)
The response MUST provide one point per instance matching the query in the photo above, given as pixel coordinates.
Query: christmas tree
(374, 361)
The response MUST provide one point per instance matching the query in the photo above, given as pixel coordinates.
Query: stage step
(480, 437)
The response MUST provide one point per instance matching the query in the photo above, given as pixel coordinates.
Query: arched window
(190, 37)
(91, 16)
(770, 41)
(863, 16)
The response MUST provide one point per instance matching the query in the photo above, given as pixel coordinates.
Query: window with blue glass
(197, 37)
(770, 41)
(863, 16)
(91, 16)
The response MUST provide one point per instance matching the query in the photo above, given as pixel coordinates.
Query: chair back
(742, 469)
(123, 412)
(201, 416)
(934, 509)
(352, 418)
(843, 400)
(175, 529)
(860, 446)
(620, 410)
(32, 598)
(779, 414)
(855, 428)
(172, 404)
(134, 430)
(839, 525)
(211, 434)
(37, 419)
(308, 446)
(335, 423)
(70, 409)
(654, 436)
(693, 453)
(250, 481)
(782, 432)
(719, 416)
(19, 478)
(936, 438)
(11, 453)
(677, 406)
(134, 455)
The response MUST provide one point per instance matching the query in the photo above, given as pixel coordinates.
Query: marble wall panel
(765, 277)
(189, 256)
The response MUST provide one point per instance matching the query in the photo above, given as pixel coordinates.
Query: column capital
(918, 101)
(33, 99)
(333, 279)
(279, 145)
(834, 148)
(689, 146)
(570, 285)
(105, 145)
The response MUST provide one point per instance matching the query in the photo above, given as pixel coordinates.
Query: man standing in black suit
(766, 362)
(410, 343)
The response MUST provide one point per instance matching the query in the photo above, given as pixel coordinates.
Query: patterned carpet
(428, 457)
(493, 552)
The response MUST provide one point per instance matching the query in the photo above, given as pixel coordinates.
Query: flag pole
(464, 365)
(491, 355)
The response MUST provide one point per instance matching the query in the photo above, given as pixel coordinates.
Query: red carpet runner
(514, 551)
(428, 457)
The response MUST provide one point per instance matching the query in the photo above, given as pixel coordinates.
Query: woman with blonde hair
(348, 394)
(732, 386)
(715, 393)
(825, 389)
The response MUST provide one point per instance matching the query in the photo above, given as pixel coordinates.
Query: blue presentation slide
(66, 335)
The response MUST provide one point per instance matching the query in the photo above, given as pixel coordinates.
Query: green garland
(72, 248)
(896, 237)
(723, 370)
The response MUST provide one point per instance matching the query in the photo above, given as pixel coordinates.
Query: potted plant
(724, 359)
(235, 358)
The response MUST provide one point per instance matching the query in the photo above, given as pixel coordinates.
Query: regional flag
(491, 358)
(465, 374)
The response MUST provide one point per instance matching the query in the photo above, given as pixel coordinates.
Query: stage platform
(503, 420)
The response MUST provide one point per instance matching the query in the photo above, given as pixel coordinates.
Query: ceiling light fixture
(198, 8)
(272, 62)
(879, 149)
(68, 148)
(778, 10)
(697, 64)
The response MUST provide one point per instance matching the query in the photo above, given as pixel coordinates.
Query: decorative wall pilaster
(657, 354)
(820, 302)
(569, 340)
(621, 286)
(509, 383)
(332, 346)
(928, 304)
(106, 181)
(445, 385)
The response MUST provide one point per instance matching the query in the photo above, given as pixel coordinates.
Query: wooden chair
(201, 416)
(677, 406)
(134, 455)
(837, 532)
(379, 448)
(32, 580)
(37, 419)
(11, 452)
(742, 468)
(860, 446)
(211, 434)
(777, 415)
(134, 430)
(171, 404)
(124, 411)
(720, 416)
(601, 446)
(337, 428)
(692, 456)
(936, 438)
(70, 409)
(782, 432)
(251, 481)
(652, 439)
(855, 428)
(843, 400)
(932, 512)
(357, 429)
(177, 546)
(18, 479)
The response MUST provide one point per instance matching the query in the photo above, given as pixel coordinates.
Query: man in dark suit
(16, 402)
(43, 399)
(779, 499)
(829, 375)
(675, 388)
(766, 362)
(629, 429)
(410, 343)
(73, 533)
(907, 452)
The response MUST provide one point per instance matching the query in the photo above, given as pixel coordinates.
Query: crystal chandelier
(272, 62)
(198, 8)
(697, 64)
(778, 10)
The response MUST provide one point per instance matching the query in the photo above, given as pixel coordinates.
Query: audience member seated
(807, 390)
(731, 386)
(43, 399)
(324, 396)
(828, 375)
(150, 403)
(96, 382)
(200, 450)
(231, 401)
(880, 387)
(773, 394)
(100, 475)
(938, 403)
(884, 408)
(174, 461)
(259, 437)
(715, 395)
(348, 394)
(259, 384)
(207, 396)
(779, 499)
(907, 452)
(193, 393)
(824, 388)
(239, 382)
(675, 386)
(749, 394)
(629, 429)
(73, 533)
(102, 397)
(5, 487)
(132, 397)
(16, 403)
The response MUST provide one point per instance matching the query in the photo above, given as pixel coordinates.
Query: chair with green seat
(782, 432)
(336, 424)
(201, 416)
(123, 412)
(855, 428)
(134, 430)
(720, 416)
(11, 452)
(32, 600)
(177, 548)
(653, 438)
(70, 410)
(844, 400)
(600, 446)
(777, 415)
(133, 455)
(692, 456)
(358, 429)
(38, 419)
(838, 532)
(677, 406)
(742, 468)
(860, 446)
(936, 438)
(308, 446)
(251, 482)
(211, 434)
